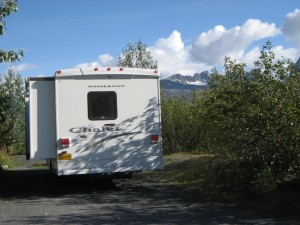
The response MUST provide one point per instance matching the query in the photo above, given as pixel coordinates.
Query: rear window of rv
(102, 105)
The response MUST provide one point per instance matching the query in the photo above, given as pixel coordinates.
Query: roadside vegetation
(250, 121)
(12, 109)
(6, 161)
(12, 116)
(195, 172)
(245, 130)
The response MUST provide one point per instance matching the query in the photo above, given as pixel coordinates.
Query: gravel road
(35, 197)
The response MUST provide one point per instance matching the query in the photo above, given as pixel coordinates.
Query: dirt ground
(32, 195)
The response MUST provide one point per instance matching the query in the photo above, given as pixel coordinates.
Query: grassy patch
(5, 160)
(186, 169)
(195, 172)
(40, 165)
(191, 171)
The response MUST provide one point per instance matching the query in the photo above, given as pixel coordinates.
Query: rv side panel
(41, 119)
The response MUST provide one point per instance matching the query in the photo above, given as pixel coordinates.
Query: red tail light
(65, 142)
(154, 138)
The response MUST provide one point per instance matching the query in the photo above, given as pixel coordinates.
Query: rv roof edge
(106, 71)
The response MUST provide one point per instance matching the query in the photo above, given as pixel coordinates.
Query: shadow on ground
(35, 197)
(42, 183)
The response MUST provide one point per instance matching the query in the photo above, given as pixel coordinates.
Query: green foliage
(178, 126)
(137, 55)
(183, 129)
(10, 56)
(12, 113)
(243, 176)
(251, 120)
(11, 93)
(5, 160)
(7, 7)
(254, 123)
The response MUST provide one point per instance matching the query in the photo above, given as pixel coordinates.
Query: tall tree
(11, 92)
(137, 55)
(12, 110)
(7, 7)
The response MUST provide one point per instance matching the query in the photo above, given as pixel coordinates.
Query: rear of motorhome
(95, 120)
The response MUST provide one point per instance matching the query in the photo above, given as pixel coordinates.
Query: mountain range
(180, 85)
(198, 79)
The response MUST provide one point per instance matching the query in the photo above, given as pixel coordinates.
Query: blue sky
(183, 36)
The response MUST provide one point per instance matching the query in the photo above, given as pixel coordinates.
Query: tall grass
(5, 160)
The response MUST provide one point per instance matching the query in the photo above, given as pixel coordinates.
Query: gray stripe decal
(108, 139)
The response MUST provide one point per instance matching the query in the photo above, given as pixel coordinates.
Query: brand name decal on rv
(107, 86)
(78, 130)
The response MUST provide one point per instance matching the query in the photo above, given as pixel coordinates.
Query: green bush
(5, 160)
(251, 120)
(179, 125)
(12, 113)
(243, 176)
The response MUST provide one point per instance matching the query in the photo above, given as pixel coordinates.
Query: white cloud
(106, 60)
(103, 60)
(209, 48)
(173, 56)
(172, 43)
(212, 46)
(291, 27)
(41, 75)
(24, 66)
(86, 65)
(250, 57)
(288, 53)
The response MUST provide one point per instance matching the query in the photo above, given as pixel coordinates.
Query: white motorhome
(95, 120)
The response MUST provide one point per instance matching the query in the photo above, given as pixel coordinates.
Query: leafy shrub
(243, 177)
(178, 125)
(253, 123)
(12, 113)
(250, 119)
(4, 160)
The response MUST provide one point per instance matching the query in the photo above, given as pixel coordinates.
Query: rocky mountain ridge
(180, 85)
(196, 79)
